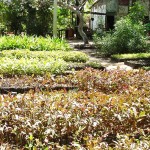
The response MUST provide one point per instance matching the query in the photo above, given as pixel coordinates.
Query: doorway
(110, 22)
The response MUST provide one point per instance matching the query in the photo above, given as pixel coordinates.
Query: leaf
(142, 114)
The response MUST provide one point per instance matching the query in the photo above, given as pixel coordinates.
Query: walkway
(106, 62)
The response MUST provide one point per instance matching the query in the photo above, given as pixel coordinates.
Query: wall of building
(118, 8)
(99, 20)
(111, 6)
(123, 8)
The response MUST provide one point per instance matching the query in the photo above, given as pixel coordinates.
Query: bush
(33, 43)
(128, 37)
(105, 45)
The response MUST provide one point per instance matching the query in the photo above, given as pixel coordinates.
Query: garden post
(55, 19)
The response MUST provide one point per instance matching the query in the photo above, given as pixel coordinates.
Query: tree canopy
(35, 17)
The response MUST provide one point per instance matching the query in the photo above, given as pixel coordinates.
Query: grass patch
(33, 43)
(131, 56)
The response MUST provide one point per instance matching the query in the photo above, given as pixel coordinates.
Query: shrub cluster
(128, 37)
(33, 43)
(110, 109)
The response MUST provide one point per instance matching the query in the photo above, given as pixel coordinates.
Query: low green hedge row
(131, 56)
(68, 56)
(38, 62)
(14, 66)
(33, 43)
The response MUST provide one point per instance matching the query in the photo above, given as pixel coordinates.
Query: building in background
(106, 12)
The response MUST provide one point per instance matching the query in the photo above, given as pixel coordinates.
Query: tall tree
(32, 16)
(77, 6)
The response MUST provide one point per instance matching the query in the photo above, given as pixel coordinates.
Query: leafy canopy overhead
(80, 3)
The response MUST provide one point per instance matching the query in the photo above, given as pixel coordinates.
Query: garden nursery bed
(106, 110)
(138, 63)
(23, 83)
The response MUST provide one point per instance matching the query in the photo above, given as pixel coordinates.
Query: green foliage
(105, 45)
(147, 26)
(64, 19)
(146, 68)
(132, 56)
(137, 12)
(128, 37)
(9, 66)
(33, 17)
(71, 56)
(33, 43)
(114, 115)
(37, 62)
(94, 64)
(38, 17)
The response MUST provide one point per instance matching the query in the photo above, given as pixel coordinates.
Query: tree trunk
(81, 20)
(80, 28)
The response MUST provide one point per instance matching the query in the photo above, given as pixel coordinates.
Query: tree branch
(83, 4)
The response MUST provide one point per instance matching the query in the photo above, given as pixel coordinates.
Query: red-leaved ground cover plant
(103, 110)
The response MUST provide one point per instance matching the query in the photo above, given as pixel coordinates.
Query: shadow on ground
(90, 50)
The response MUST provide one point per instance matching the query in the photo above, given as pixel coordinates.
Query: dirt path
(106, 62)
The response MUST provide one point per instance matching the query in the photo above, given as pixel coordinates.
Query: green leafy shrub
(128, 37)
(137, 12)
(146, 68)
(105, 45)
(33, 43)
(147, 26)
